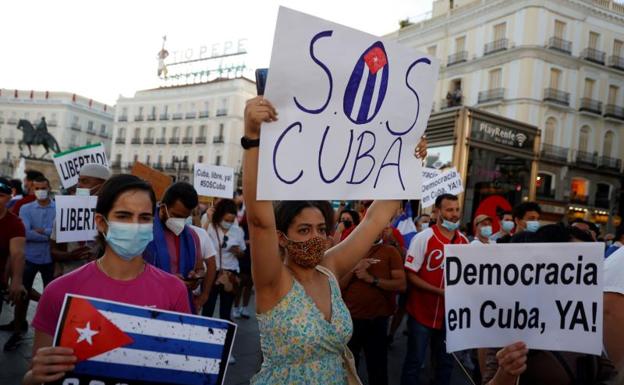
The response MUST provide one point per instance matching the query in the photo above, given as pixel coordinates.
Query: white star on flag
(86, 334)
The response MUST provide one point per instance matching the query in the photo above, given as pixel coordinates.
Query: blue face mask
(507, 226)
(450, 226)
(486, 231)
(129, 240)
(532, 226)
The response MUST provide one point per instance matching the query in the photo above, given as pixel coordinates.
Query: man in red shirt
(12, 241)
(425, 304)
(29, 193)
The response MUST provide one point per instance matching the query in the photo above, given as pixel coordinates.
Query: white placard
(213, 181)
(548, 295)
(75, 218)
(69, 163)
(429, 173)
(352, 108)
(448, 182)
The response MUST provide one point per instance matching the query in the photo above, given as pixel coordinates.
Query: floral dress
(298, 345)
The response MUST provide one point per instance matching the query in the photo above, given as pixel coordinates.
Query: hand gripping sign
(352, 107)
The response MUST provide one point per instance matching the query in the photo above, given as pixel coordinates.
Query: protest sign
(213, 181)
(159, 180)
(69, 163)
(117, 343)
(352, 108)
(75, 218)
(548, 295)
(429, 173)
(448, 182)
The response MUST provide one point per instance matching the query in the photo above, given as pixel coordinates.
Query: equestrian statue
(37, 137)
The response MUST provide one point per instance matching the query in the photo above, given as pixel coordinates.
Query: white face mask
(83, 192)
(176, 225)
(41, 194)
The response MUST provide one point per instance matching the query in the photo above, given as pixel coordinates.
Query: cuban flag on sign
(367, 85)
(124, 344)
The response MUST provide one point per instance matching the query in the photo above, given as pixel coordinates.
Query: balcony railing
(580, 199)
(138, 118)
(190, 115)
(103, 135)
(200, 140)
(491, 95)
(170, 166)
(556, 96)
(151, 117)
(610, 163)
(495, 46)
(450, 103)
(161, 140)
(51, 123)
(593, 55)
(120, 141)
(613, 111)
(174, 140)
(116, 164)
(591, 105)
(9, 140)
(148, 140)
(456, 58)
(164, 117)
(122, 118)
(75, 127)
(187, 140)
(222, 112)
(177, 116)
(12, 121)
(558, 44)
(204, 114)
(553, 152)
(218, 139)
(616, 62)
(136, 141)
(158, 166)
(586, 158)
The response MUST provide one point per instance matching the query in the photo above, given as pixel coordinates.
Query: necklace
(101, 266)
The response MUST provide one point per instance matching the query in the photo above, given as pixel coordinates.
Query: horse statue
(37, 137)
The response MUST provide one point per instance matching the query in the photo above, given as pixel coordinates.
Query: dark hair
(33, 174)
(223, 207)
(286, 211)
(117, 185)
(520, 210)
(501, 214)
(17, 185)
(183, 192)
(524, 237)
(556, 233)
(354, 215)
(619, 233)
(42, 179)
(5, 182)
(440, 198)
(581, 235)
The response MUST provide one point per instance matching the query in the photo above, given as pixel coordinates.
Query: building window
(555, 78)
(579, 190)
(221, 128)
(90, 125)
(594, 40)
(118, 158)
(147, 159)
(545, 185)
(202, 131)
(200, 159)
(431, 50)
(560, 27)
(603, 195)
(500, 30)
(460, 44)
(189, 132)
(136, 158)
(150, 132)
(617, 48)
(121, 133)
(495, 79)
(549, 131)
(589, 88)
(176, 132)
(103, 129)
(218, 160)
(583, 144)
(613, 95)
(137, 133)
(607, 146)
(140, 111)
(163, 132)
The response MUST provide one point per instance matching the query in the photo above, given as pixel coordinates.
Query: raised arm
(266, 265)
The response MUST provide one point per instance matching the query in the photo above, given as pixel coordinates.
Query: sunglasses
(225, 239)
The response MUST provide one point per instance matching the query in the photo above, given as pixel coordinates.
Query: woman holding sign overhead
(124, 218)
(304, 324)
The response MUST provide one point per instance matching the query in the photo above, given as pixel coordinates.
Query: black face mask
(347, 224)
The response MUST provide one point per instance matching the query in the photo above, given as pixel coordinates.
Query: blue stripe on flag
(159, 315)
(369, 89)
(352, 87)
(140, 373)
(175, 346)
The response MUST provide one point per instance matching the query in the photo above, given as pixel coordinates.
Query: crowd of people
(332, 286)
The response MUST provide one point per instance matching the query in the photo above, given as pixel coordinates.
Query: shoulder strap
(327, 272)
(218, 246)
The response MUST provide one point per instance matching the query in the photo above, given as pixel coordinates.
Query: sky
(104, 49)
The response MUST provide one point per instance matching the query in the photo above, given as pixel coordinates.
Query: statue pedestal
(45, 166)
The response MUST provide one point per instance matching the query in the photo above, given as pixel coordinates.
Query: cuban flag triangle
(405, 224)
(118, 343)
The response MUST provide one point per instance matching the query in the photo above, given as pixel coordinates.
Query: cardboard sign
(352, 108)
(213, 181)
(448, 182)
(69, 163)
(75, 218)
(548, 295)
(117, 343)
(159, 180)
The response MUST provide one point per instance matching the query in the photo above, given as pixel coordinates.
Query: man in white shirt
(208, 255)
(482, 230)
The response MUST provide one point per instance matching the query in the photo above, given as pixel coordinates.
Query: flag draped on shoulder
(405, 224)
(119, 343)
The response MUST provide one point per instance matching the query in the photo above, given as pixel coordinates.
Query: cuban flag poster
(352, 108)
(117, 343)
